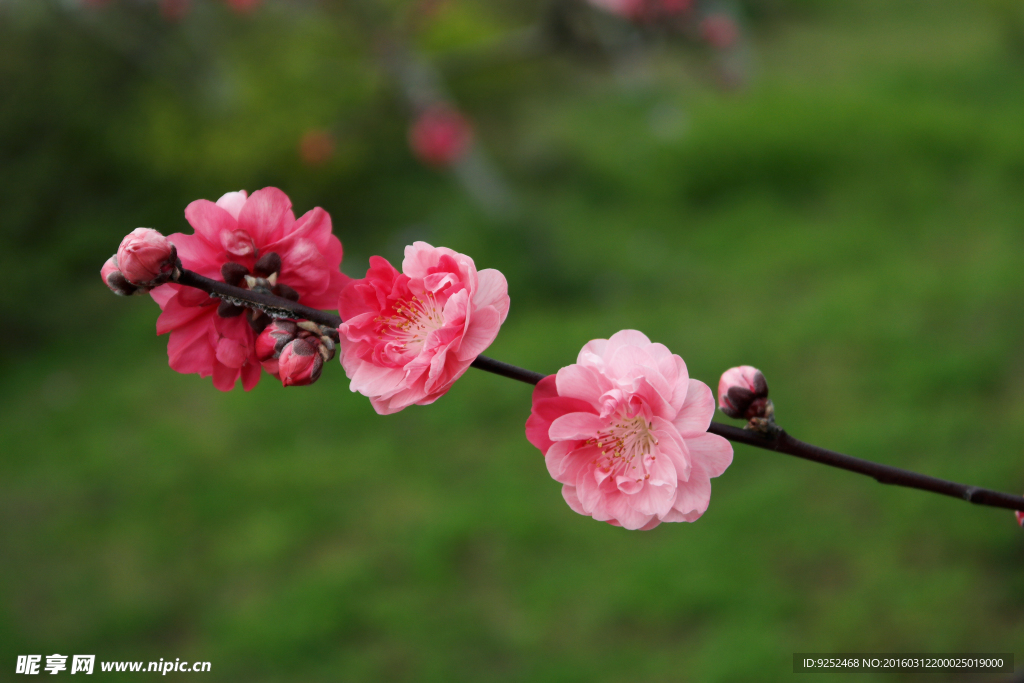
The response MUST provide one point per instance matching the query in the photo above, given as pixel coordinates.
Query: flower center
(626, 446)
(412, 321)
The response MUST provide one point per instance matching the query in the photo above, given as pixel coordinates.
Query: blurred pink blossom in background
(440, 136)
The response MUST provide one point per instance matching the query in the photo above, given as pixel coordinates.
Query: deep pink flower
(146, 258)
(252, 242)
(408, 336)
(624, 431)
(440, 136)
(741, 392)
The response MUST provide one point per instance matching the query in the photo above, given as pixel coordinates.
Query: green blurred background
(850, 222)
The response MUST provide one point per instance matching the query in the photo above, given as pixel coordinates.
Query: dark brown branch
(883, 474)
(274, 306)
(780, 442)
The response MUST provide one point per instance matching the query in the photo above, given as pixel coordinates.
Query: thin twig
(780, 441)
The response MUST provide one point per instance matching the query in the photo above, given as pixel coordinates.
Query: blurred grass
(851, 225)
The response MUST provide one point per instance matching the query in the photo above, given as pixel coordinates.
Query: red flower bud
(146, 258)
(743, 393)
(440, 136)
(115, 280)
(300, 363)
(1020, 517)
(273, 339)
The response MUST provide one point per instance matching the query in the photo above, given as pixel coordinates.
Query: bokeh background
(840, 203)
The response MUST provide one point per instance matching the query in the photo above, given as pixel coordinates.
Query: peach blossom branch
(778, 440)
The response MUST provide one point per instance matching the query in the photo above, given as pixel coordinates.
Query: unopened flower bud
(274, 338)
(300, 363)
(743, 393)
(146, 258)
(1020, 517)
(115, 279)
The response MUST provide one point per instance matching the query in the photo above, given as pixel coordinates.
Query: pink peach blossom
(624, 430)
(239, 239)
(146, 258)
(408, 336)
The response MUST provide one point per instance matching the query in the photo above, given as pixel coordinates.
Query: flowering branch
(773, 439)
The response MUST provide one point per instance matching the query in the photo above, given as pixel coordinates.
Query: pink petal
(713, 452)
(210, 222)
(224, 377)
(492, 290)
(267, 216)
(653, 499)
(250, 375)
(569, 494)
(480, 334)
(693, 496)
(697, 410)
(625, 338)
(576, 381)
(232, 202)
(576, 426)
(564, 461)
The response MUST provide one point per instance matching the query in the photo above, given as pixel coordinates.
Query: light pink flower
(440, 136)
(146, 258)
(408, 336)
(740, 389)
(233, 238)
(624, 431)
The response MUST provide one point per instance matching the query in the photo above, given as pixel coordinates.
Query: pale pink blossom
(236, 240)
(408, 336)
(741, 389)
(440, 136)
(624, 430)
